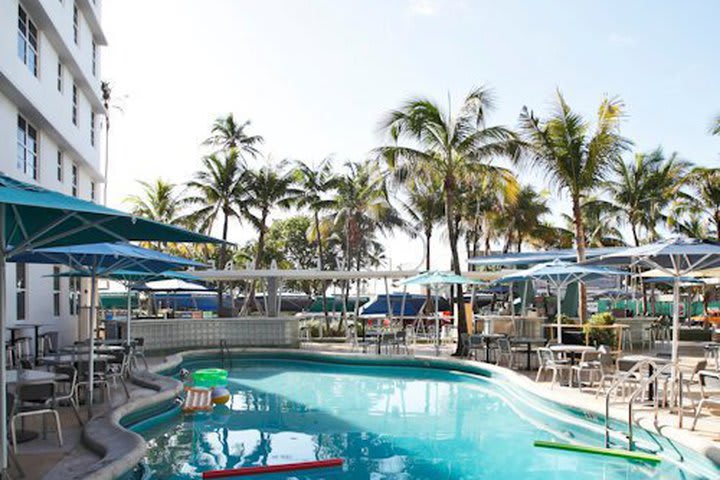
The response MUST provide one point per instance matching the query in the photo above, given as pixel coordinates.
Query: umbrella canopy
(669, 280)
(106, 258)
(33, 217)
(560, 274)
(130, 275)
(436, 277)
(676, 256)
(171, 285)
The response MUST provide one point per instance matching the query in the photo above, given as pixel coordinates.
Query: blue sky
(315, 77)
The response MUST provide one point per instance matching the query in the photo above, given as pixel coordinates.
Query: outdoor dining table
(488, 338)
(27, 325)
(14, 377)
(97, 349)
(70, 358)
(529, 342)
(572, 350)
(378, 337)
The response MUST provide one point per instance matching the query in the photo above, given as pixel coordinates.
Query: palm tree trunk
(633, 228)
(320, 266)
(580, 248)
(717, 224)
(221, 266)
(452, 233)
(259, 252)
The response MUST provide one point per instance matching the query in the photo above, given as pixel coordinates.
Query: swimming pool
(389, 422)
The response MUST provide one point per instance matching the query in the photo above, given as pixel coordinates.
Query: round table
(572, 350)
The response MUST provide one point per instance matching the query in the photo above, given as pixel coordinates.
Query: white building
(50, 116)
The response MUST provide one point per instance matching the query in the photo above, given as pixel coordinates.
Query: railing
(642, 385)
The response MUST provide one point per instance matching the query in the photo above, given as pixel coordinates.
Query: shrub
(601, 336)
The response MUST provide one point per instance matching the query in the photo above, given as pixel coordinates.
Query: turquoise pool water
(388, 423)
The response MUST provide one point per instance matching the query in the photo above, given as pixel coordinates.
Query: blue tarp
(413, 304)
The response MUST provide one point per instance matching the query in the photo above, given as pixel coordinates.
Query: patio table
(74, 349)
(488, 338)
(69, 358)
(27, 325)
(529, 342)
(572, 350)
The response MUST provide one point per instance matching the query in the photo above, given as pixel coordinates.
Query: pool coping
(122, 449)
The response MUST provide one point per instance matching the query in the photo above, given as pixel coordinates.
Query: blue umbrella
(676, 256)
(105, 258)
(560, 274)
(33, 217)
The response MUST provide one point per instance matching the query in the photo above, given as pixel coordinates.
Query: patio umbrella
(678, 257)
(560, 274)
(104, 258)
(32, 217)
(138, 281)
(436, 279)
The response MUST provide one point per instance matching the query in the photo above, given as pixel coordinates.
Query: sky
(316, 77)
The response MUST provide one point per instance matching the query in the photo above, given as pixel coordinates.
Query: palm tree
(158, 202)
(522, 216)
(448, 147)
(265, 189)
(227, 133)
(575, 158)
(705, 196)
(217, 189)
(362, 209)
(715, 126)
(425, 209)
(316, 184)
(600, 218)
(642, 189)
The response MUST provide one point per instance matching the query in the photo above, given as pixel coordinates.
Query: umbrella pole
(558, 314)
(437, 320)
(676, 320)
(129, 314)
(3, 357)
(91, 349)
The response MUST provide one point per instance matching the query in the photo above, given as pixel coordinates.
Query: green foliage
(601, 336)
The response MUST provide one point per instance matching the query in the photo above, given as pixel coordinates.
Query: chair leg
(58, 427)
(554, 376)
(539, 373)
(13, 434)
(697, 414)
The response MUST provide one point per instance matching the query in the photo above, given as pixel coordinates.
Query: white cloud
(424, 7)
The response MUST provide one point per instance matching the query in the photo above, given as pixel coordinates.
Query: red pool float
(285, 467)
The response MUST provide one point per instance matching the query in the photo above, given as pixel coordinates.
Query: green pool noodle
(631, 455)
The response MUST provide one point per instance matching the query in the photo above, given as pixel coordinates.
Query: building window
(76, 25)
(27, 43)
(75, 180)
(21, 289)
(60, 77)
(60, 169)
(75, 104)
(94, 58)
(27, 148)
(92, 128)
(56, 291)
(92, 191)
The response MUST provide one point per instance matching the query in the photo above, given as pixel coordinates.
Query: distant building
(50, 115)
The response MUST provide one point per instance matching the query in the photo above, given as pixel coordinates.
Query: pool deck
(42, 458)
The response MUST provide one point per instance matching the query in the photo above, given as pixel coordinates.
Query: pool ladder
(225, 355)
(645, 382)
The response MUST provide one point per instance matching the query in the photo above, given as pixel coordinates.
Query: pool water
(386, 423)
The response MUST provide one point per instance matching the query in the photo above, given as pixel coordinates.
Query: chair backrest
(69, 371)
(476, 340)
(504, 345)
(545, 356)
(701, 365)
(101, 366)
(35, 392)
(590, 356)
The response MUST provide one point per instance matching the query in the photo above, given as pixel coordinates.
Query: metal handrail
(626, 376)
(676, 373)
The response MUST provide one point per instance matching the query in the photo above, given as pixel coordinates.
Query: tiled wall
(246, 332)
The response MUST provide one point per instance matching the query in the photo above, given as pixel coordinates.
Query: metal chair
(707, 377)
(35, 399)
(138, 351)
(99, 380)
(66, 390)
(589, 363)
(505, 351)
(549, 362)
